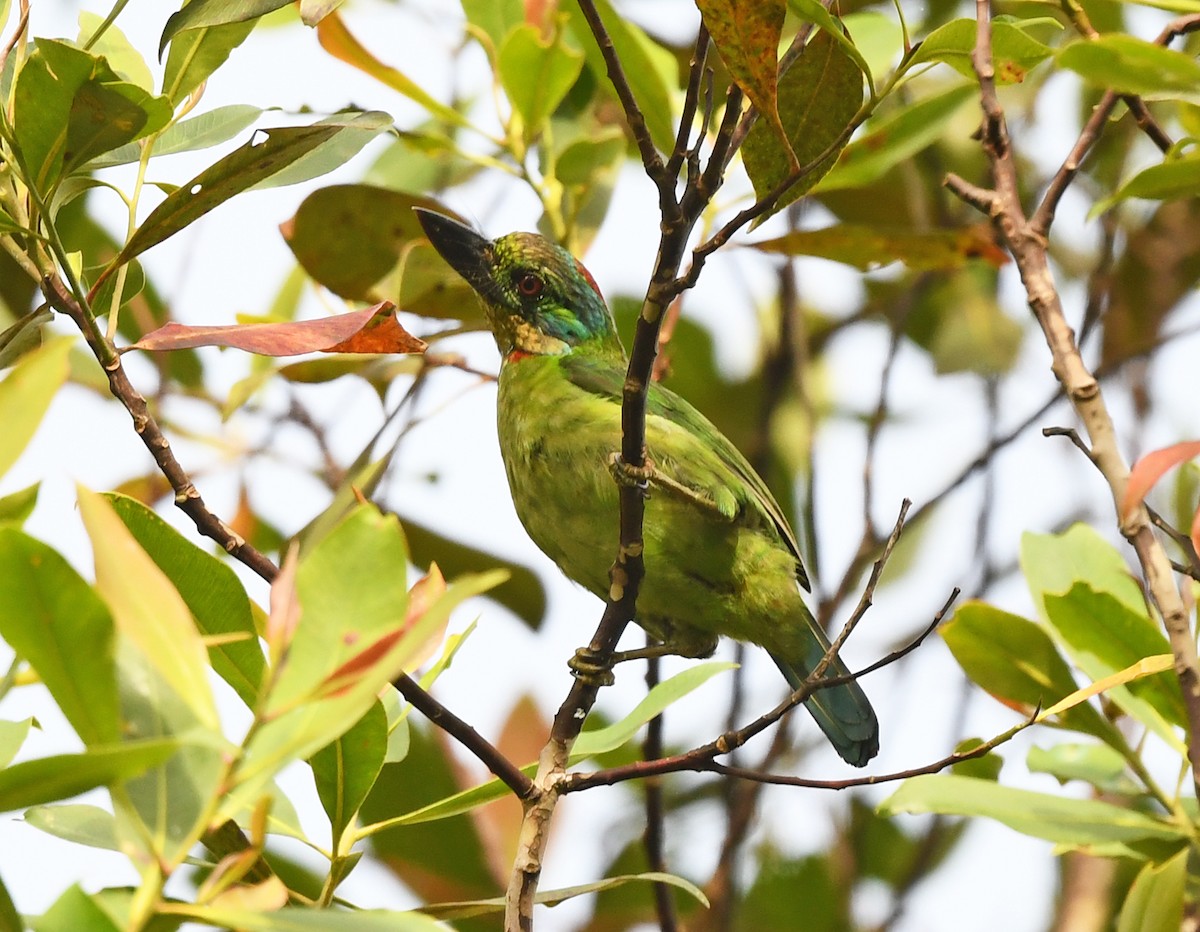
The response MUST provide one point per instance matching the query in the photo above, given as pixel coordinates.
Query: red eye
(529, 285)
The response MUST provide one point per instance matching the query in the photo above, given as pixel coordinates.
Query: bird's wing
(699, 453)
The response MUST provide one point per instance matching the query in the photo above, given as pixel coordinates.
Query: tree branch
(1027, 244)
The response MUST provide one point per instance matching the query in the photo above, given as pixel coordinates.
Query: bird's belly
(705, 575)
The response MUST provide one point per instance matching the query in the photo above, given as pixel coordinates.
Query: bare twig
(1027, 245)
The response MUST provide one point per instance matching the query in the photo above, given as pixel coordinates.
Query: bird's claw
(592, 668)
(629, 476)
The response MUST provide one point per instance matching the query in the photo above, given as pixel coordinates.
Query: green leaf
(960, 322)
(346, 769)
(872, 247)
(12, 736)
(47, 779)
(26, 393)
(78, 823)
(1053, 563)
(649, 69)
(1172, 180)
(819, 96)
(468, 908)
(17, 507)
(247, 166)
(666, 693)
(536, 75)
(1155, 901)
(10, 919)
(106, 115)
(896, 139)
(878, 40)
(351, 588)
(54, 619)
(747, 37)
(202, 13)
(1076, 823)
(197, 53)
(1015, 660)
(75, 911)
(1097, 764)
(813, 11)
(199, 132)
(1130, 65)
(147, 608)
(125, 60)
(350, 237)
(1014, 52)
(303, 919)
(210, 589)
(590, 743)
(1105, 637)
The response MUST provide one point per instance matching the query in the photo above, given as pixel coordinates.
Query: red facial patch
(517, 355)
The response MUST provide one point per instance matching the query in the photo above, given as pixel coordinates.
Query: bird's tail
(843, 711)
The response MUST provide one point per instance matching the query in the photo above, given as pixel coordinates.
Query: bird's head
(538, 298)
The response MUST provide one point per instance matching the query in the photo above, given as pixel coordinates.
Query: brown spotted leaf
(371, 330)
(819, 95)
(747, 36)
(870, 247)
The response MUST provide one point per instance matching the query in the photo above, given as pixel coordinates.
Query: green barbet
(720, 557)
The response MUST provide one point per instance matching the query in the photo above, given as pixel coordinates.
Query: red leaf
(1150, 468)
(371, 330)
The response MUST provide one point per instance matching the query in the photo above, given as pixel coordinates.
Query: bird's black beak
(468, 253)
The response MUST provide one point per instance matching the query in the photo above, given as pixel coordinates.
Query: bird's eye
(529, 285)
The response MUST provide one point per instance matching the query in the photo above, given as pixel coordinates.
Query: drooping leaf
(55, 620)
(747, 37)
(1131, 65)
(1168, 181)
(819, 96)
(306, 919)
(269, 154)
(26, 393)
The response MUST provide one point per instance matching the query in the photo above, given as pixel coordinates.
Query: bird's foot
(632, 477)
(592, 668)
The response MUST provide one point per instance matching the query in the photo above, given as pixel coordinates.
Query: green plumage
(720, 557)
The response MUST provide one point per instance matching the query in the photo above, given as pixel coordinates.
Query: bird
(720, 557)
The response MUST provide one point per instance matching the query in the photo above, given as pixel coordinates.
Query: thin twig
(652, 837)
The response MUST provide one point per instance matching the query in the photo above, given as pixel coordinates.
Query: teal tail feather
(843, 711)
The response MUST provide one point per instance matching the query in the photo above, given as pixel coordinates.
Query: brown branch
(691, 101)
(187, 497)
(698, 758)
(1027, 245)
